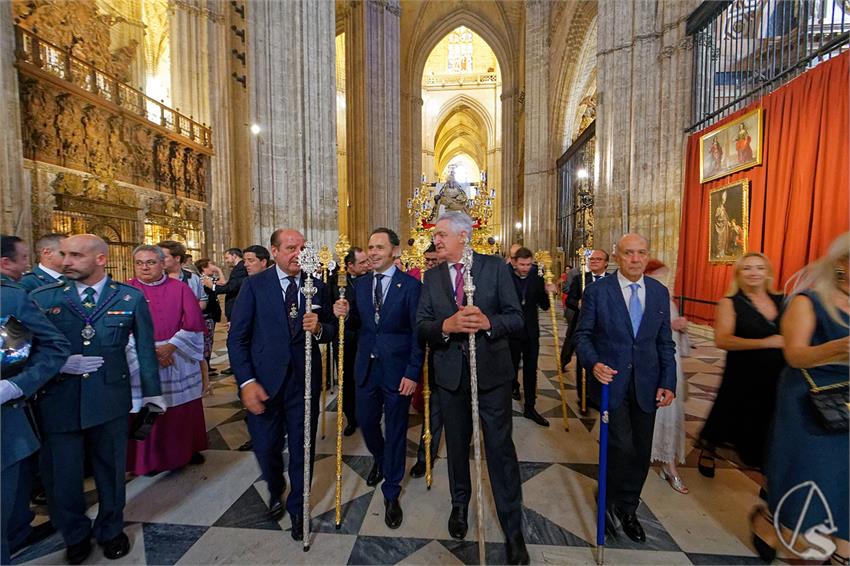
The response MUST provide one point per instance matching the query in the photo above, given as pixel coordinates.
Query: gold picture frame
(728, 221)
(732, 147)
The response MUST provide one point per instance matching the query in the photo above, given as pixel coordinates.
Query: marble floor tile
(244, 546)
(618, 556)
(214, 416)
(553, 444)
(542, 554)
(431, 553)
(564, 497)
(196, 495)
(712, 518)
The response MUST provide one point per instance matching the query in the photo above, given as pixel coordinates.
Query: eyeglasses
(149, 263)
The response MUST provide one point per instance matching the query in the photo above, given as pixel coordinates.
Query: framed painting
(728, 222)
(732, 147)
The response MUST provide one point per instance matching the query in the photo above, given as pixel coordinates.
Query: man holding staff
(445, 322)
(266, 347)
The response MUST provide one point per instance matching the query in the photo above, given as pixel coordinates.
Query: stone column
(539, 206)
(293, 100)
(15, 187)
(507, 191)
(644, 86)
(190, 86)
(373, 120)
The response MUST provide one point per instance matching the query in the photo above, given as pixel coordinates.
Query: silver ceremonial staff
(309, 261)
(469, 290)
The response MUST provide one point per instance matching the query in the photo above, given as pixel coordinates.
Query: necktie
(89, 303)
(291, 302)
(596, 277)
(379, 295)
(459, 284)
(635, 308)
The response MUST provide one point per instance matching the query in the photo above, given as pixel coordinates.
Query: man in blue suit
(388, 364)
(623, 338)
(49, 350)
(266, 349)
(49, 268)
(84, 410)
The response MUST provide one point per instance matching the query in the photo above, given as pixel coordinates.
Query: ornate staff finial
(308, 259)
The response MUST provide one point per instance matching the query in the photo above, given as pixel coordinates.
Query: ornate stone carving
(77, 25)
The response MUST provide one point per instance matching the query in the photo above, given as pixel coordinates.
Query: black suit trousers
(630, 431)
(494, 407)
(527, 350)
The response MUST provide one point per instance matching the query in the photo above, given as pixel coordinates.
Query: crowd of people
(117, 371)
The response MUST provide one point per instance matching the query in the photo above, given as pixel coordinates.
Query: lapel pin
(126, 297)
(56, 310)
(398, 285)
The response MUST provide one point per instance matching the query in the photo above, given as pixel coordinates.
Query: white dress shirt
(627, 292)
(98, 289)
(50, 272)
(385, 282)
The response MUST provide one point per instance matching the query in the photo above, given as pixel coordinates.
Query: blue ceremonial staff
(603, 473)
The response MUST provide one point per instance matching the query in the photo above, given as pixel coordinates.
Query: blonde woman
(803, 449)
(746, 325)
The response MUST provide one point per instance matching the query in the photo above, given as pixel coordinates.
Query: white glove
(79, 364)
(9, 391)
(156, 403)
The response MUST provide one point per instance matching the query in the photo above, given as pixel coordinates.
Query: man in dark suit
(49, 268)
(445, 322)
(389, 360)
(266, 348)
(532, 293)
(83, 412)
(356, 264)
(230, 288)
(597, 269)
(48, 352)
(624, 339)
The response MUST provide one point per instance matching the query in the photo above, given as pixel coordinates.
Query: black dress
(743, 410)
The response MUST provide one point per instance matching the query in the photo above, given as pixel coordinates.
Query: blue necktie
(635, 308)
(379, 293)
(290, 300)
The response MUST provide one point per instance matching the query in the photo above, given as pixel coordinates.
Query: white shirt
(453, 274)
(50, 272)
(385, 282)
(98, 289)
(284, 283)
(627, 292)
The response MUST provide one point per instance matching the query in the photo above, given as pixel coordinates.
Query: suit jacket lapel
(616, 295)
(108, 296)
(446, 283)
(393, 292)
(274, 294)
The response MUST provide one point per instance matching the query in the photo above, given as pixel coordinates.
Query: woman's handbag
(831, 403)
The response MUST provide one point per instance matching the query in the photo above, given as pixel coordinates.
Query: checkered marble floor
(216, 513)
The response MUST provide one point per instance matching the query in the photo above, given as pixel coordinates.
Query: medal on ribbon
(88, 331)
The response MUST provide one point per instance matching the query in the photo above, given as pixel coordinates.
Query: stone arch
(483, 114)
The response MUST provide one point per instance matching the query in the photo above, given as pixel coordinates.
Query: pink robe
(181, 431)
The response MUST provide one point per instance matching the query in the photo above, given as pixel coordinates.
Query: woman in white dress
(668, 440)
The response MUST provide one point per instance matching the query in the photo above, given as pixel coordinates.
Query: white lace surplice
(181, 382)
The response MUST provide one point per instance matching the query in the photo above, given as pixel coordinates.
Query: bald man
(266, 348)
(623, 338)
(84, 410)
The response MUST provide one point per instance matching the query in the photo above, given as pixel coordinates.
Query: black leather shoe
(37, 534)
(516, 551)
(631, 526)
(418, 470)
(349, 429)
(375, 475)
(533, 415)
(78, 552)
(458, 523)
(393, 515)
(197, 459)
(117, 547)
(247, 446)
(297, 527)
(515, 393)
(38, 496)
(276, 508)
(227, 371)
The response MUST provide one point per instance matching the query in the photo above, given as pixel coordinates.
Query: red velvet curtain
(798, 195)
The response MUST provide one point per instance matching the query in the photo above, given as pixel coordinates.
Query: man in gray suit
(445, 322)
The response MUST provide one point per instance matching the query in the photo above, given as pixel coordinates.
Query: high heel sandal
(704, 469)
(765, 549)
(838, 559)
(675, 481)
